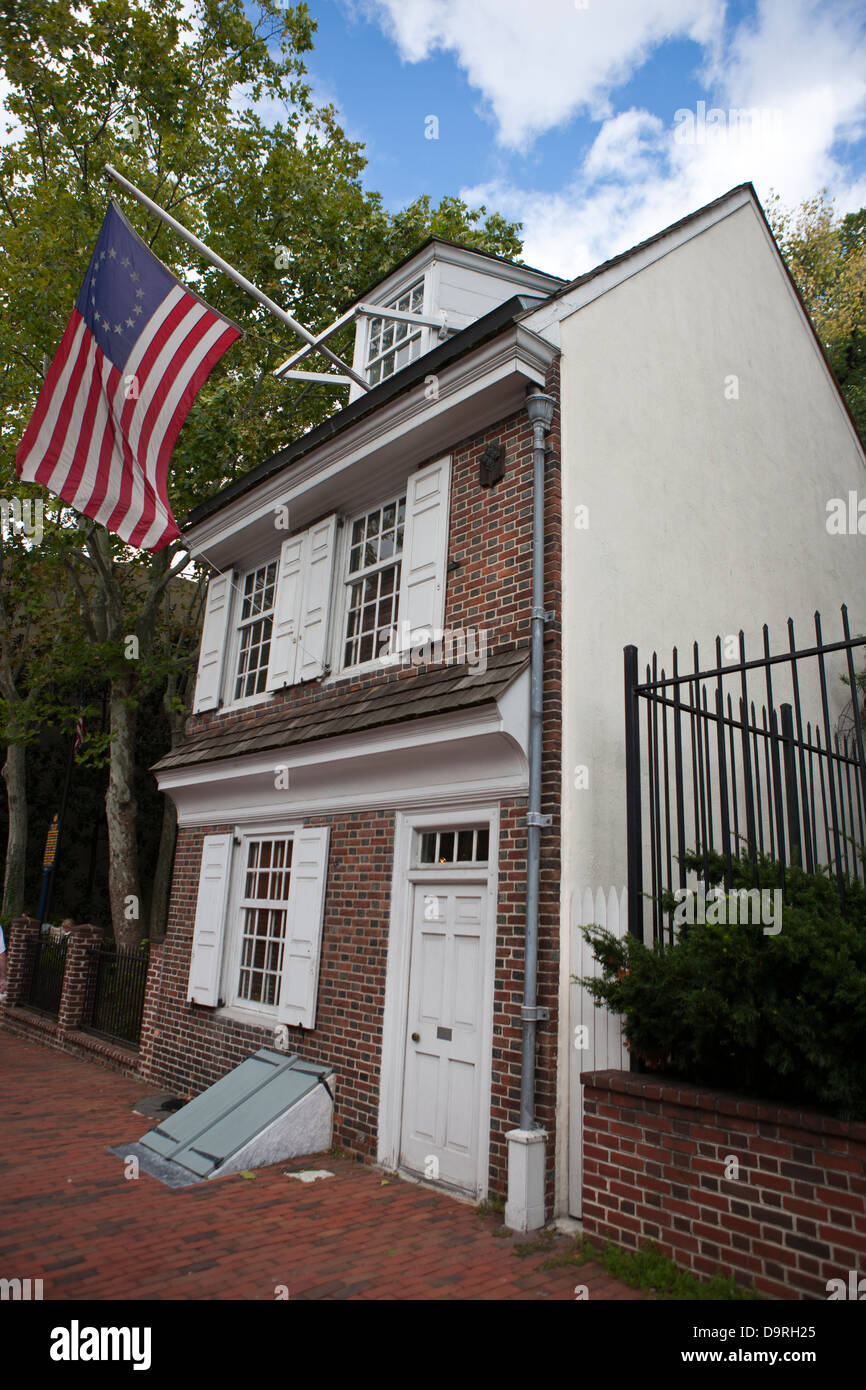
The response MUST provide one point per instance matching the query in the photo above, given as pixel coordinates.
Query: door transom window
(459, 846)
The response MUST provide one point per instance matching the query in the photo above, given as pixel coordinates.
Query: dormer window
(393, 343)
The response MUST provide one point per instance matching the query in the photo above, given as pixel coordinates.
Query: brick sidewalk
(68, 1215)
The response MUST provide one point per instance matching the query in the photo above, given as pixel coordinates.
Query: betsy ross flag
(137, 349)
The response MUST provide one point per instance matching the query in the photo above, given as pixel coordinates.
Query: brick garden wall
(186, 1048)
(655, 1156)
(64, 1033)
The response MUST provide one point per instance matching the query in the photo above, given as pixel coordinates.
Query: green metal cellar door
(204, 1134)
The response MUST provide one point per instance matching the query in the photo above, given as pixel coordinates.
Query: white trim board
(472, 753)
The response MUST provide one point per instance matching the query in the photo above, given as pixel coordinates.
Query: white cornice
(521, 278)
(451, 758)
(473, 392)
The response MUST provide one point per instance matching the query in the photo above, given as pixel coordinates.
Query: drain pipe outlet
(524, 1210)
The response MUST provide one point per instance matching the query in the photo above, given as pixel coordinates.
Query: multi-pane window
(375, 550)
(256, 623)
(454, 846)
(392, 344)
(263, 906)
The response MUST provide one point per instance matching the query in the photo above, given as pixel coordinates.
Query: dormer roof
(438, 290)
(377, 291)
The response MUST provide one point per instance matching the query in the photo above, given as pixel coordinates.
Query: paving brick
(65, 1205)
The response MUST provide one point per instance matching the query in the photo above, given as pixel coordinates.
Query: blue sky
(564, 113)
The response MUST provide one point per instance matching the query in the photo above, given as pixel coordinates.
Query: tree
(850, 363)
(826, 255)
(170, 96)
(40, 670)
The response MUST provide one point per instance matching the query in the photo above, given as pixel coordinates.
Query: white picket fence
(605, 1048)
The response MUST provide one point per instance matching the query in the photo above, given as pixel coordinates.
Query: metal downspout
(540, 409)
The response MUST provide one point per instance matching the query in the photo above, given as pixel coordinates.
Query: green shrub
(782, 1016)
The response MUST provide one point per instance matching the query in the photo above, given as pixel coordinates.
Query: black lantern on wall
(491, 468)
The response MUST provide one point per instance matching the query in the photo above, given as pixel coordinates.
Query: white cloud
(624, 144)
(799, 66)
(538, 63)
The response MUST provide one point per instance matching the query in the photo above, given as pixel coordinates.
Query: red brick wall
(490, 539)
(654, 1157)
(187, 1047)
(62, 1033)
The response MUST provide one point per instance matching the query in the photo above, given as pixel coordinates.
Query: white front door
(445, 1033)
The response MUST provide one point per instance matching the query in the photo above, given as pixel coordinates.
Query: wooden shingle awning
(405, 694)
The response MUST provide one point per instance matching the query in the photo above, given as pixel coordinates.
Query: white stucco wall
(705, 514)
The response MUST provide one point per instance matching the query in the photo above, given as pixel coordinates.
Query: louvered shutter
(304, 917)
(287, 608)
(210, 916)
(425, 553)
(214, 636)
(318, 567)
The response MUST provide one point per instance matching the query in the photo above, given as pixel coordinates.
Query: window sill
(251, 1017)
(368, 668)
(249, 703)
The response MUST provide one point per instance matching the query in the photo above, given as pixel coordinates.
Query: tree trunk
(120, 813)
(15, 777)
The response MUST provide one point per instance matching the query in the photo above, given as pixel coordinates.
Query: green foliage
(173, 106)
(826, 256)
(208, 109)
(647, 1268)
(849, 362)
(491, 1206)
(782, 1016)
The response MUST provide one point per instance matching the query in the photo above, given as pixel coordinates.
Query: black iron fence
(115, 1000)
(718, 776)
(48, 964)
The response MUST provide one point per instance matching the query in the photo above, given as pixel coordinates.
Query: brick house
(354, 784)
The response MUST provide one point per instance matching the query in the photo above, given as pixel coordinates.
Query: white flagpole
(235, 275)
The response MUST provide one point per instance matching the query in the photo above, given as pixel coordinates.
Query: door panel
(445, 1034)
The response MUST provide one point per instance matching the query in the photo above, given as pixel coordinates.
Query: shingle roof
(411, 693)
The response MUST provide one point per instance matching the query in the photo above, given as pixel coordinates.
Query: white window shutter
(210, 915)
(316, 599)
(425, 553)
(214, 636)
(287, 608)
(304, 917)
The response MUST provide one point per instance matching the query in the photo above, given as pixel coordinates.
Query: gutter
(524, 1209)
(539, 408)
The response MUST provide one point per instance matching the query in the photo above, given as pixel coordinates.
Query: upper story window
(373, 579)
(255, 630)
(392, 344)
(347, 596)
